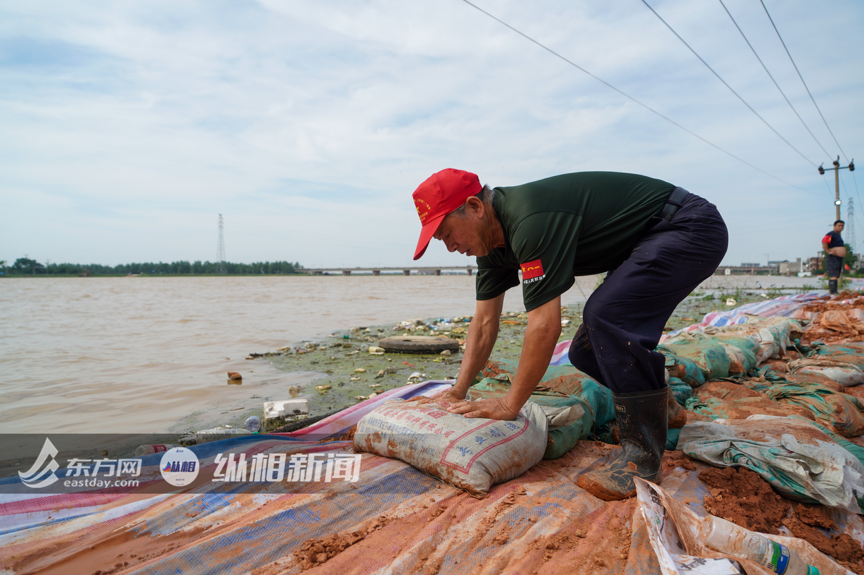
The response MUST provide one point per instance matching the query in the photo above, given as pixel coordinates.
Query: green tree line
(25, 266)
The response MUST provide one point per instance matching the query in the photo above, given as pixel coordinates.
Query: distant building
(789, 268)
(750, 265)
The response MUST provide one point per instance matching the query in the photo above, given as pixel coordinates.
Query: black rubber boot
(642, 426)
(832, 287)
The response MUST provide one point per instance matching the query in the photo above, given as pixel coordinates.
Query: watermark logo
(41, 474)
(276, 467)
(179, 466)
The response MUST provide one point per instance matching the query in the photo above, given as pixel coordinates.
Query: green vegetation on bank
(28, 267)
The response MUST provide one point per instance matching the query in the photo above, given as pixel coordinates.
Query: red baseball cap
(441, 193)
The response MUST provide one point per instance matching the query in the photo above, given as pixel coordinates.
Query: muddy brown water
(142, 355)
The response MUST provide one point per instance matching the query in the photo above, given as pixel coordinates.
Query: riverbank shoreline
(114, 356)
(347, 373)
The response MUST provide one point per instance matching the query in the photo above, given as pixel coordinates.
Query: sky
(128, 127)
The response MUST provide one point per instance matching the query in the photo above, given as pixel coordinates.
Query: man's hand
(487, 408)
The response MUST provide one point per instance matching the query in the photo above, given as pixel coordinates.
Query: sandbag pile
(834, 321)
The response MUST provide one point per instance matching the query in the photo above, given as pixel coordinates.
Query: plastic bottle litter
(252, 424)
(150, 449)
(728, 538)
(213, 434)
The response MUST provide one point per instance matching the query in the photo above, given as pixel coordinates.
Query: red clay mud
(808, 523)
(314, 552)
(744, 498)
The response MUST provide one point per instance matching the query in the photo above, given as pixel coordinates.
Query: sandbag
(793, 455)
(841, 411)
(472, 454)
(851, 352)
(834, 325)
(708, 355)
(740, 361)
(843, 372)
(553, 379)
(681, 390)
(774, 334)
(567, 425)
(725, 389)
(742, 408)
(592, 402)
(682, 368)
(679, 538)
(741, 349)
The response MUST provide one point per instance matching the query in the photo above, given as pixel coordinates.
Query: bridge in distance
(376, 271)
(471, 270)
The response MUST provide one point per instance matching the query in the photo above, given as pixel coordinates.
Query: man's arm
(832, 251)
(541, 335)
(482, 335)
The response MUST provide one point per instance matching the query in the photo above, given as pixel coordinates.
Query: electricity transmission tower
(850, 226)
(220, 249)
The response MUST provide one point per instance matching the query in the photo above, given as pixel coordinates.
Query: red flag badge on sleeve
(532, 270)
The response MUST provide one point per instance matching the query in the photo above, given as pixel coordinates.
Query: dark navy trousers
(624, 318)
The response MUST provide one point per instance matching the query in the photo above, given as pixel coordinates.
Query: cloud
(128, 127)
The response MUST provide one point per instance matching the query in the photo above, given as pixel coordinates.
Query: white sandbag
(737, 359)
(774, 334)
(686, 543)
(797, 458)
(472, 454)
(846, 374)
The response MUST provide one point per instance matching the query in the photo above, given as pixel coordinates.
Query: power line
(743, 101)
(802, 80)
(773, 80)
(631, 98)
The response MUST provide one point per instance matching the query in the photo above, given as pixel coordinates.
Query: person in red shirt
(833, 245)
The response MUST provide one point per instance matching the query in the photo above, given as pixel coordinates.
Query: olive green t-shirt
(565, 226)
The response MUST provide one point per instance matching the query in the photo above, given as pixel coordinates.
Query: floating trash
(252, 424)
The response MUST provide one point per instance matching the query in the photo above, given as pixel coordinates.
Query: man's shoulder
(593, 178)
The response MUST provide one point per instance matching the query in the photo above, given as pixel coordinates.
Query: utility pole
(837, 168)
(220, 248)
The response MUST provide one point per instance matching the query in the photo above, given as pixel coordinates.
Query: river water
(139, 354)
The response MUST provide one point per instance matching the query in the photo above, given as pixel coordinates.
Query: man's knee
(580, 353)
(592, 312)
